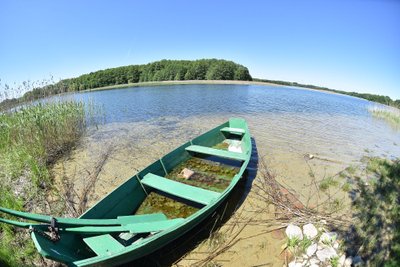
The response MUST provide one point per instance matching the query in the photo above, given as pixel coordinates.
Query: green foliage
(371, 97)
(31, 139)
(390, 115)
(328, 182)
(378, 211)
(334, 261)
(346, 187)
(164, 70)
(297, 246)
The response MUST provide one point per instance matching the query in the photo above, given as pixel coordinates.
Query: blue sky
(346, 45)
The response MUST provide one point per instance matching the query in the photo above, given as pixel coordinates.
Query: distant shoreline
(211, 82)
(227, 82)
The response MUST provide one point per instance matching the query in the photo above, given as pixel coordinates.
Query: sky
(351, 45)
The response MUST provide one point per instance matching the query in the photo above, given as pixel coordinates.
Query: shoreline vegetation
(164, 72)
(32, 139)
(389, 114)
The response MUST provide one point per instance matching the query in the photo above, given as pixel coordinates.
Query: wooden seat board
(237, 131)
(216, 152)
(103, 244)
(188, 192)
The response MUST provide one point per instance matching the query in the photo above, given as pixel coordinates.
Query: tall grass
(31, 139)
(390, 114)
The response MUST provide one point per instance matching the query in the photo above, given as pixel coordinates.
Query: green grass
(377, 211)
(328, 182)
(32, 138)
(390, 115)
(298, 246)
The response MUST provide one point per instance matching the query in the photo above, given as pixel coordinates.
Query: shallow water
(144, 123)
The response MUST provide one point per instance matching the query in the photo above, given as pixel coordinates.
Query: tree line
(164, 70)
(386, 100)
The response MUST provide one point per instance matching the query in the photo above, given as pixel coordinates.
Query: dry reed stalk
(288, 209)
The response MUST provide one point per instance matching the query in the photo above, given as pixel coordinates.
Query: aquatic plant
(328, 182)
(390, 114)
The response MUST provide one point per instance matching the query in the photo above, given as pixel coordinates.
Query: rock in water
(186, 173)
(293, 231)
(310, 231)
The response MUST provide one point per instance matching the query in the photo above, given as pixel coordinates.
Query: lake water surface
(144, 123)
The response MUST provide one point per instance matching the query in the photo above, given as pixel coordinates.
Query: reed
(32, 138)
(390, 114)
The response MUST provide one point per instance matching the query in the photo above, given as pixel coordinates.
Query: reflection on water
(145, 123)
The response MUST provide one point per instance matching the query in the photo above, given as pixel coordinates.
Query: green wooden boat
(122, 227)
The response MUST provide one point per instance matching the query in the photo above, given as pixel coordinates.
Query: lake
(286, 123)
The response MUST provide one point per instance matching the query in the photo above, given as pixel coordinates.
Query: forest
(164, 70)
(386, 100)
(169, 70)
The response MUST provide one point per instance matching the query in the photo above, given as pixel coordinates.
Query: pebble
(314, 261)
(293, 231)
(342, 260)
(326, 253)
(311, 249)
(321, 250)
(295, 264)
(328, 238)
(336, 245)
(310, 231)
(348, 261)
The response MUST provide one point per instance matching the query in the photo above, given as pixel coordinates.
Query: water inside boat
(206, 172)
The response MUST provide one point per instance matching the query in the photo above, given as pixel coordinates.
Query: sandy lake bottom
(281, 142)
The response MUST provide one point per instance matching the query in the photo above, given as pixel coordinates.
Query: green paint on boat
(154, 206)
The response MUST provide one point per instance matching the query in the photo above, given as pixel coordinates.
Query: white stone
(342, 259)
(295, 264)
(322, 246)
(293, 231)
(314, 261)
(311, 249)
(326, 254)
(348, 261)
(336, 245)
(310, 231)
(314, 265)
(328, 238)
(186, 173)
